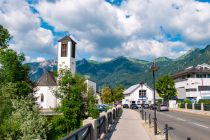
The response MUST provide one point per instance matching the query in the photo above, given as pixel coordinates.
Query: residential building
(139, 93)
(193, 82)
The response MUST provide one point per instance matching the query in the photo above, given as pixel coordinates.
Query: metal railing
(189, 106)
(197, 106)
(101, 126)
(109, 115)
(96, 127)
(83, 133)
(182, 106)
(206, 107)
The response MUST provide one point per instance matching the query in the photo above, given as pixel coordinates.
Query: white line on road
(178, 118)
(200, 125)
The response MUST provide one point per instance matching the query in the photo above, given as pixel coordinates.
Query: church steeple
(66, 54)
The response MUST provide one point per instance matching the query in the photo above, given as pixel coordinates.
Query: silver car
(163, 107)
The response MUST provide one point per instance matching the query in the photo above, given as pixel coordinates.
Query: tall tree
(107, 95)
(71, 91)
(165, 87)
(18, 111)
(118, 93)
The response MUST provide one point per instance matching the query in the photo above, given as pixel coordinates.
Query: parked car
(125, 106)
(139, 105)
(101, 108)
(133, 106)
(163, 107)
(146, 106)
(153, 106)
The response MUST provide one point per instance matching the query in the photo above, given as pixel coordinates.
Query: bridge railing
(101, 126)
(94, 129)
(83, 133)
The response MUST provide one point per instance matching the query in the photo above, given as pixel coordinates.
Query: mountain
(127, 71)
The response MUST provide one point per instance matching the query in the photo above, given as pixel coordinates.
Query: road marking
(200, 125)
(180, 119)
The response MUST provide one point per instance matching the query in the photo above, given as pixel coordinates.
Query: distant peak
(188, 53)
(162, 59)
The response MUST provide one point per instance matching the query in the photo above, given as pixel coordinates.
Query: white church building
(48, 83)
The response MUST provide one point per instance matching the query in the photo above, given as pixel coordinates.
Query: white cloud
(137, 28)
(133, 29)
(37, 59)
(25, 28)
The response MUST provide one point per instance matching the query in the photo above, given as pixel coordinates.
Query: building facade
(193, 83)
(139, 93)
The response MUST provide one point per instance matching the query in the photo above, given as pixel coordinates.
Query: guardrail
(101, 126)
(206, 107)
(83, 133)
(94, 129)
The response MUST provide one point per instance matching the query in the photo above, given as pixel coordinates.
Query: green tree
(25, 121)
(107, 95)
(4, 37)
(118, 93)
(165, 87)
(92, 109)
(19, 115)
(71, 91)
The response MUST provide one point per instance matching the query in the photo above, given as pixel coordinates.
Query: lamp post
(142, 111)
(154, 68)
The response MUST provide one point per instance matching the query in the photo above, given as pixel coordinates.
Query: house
(47, 83)
(193, 82)
(139, 93)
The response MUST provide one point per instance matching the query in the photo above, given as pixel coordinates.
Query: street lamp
(154, 68)
(142, 111)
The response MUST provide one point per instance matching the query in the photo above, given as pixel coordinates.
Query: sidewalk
(198, 112)
(129, 127)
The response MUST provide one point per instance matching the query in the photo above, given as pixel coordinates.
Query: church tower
(66, 54)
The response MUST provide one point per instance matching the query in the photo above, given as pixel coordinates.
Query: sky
(106, 29)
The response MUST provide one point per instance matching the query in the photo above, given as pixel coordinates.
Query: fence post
(145, 116)
(202, 106)
(94, 127)
(185, 106)
(106, 120)
(149, 119)
(193, 106)
(166, 131)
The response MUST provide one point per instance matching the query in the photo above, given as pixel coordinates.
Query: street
(183, 125)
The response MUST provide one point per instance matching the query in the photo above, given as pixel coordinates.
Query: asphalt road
(183, 125)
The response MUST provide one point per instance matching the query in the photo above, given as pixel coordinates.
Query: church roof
(47, 79)
(67, 38)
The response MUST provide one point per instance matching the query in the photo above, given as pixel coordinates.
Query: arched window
(42, 98)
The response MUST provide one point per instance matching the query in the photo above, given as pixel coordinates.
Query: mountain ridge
(125, 70)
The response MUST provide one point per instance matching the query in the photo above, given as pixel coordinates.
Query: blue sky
(107, 29)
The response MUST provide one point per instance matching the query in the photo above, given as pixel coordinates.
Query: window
(42, 98)
(204, 88)
(73, 50)
(142, 93)
(63, 50)
(191, 89)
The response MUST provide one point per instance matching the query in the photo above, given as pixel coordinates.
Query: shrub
(205, 101)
